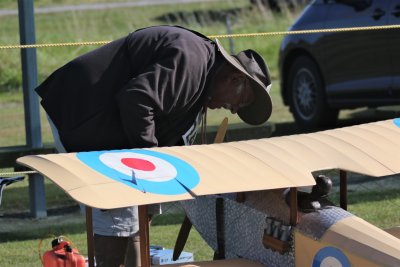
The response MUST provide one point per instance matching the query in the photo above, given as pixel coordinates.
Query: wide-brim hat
(253, 65)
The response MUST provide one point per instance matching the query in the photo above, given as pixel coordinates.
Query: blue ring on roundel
(397, 122)
(186, 174)
(330, 252)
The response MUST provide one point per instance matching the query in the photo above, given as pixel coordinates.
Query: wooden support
(26, 17)
(182, 238)
(89, 235)
(37, 200)
(343, 189)
(293, 207)
(144, 236)
(240, 197)
(220, 224)
(275, 244)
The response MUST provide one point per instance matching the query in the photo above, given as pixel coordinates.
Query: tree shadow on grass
(372, 196)
(60, 221)
(168, 219)
(16, 199)
(28, 232)
(356, 197)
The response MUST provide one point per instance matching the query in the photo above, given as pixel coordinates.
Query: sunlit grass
(12, 4)
(381, 208)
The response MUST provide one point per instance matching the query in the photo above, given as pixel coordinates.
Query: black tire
(306, 95)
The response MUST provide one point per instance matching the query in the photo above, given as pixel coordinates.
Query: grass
(379, 210)
(376, 200)
(19, 238)
(12, 4)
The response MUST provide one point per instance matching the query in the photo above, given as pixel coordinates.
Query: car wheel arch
(288, 62)
(306, 94)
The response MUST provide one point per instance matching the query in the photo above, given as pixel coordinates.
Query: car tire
(306, 95)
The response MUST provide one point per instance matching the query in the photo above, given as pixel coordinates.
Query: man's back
(93, 100)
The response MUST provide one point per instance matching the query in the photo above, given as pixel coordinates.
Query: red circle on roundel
(138, 164)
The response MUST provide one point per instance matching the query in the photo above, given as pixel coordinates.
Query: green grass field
(12, 4)
(20, 237)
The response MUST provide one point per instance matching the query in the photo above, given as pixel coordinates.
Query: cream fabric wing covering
(371, 149)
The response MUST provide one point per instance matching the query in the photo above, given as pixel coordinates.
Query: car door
(356, 62)
(394, 49)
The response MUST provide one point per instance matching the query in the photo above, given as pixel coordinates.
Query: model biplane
(245, 181)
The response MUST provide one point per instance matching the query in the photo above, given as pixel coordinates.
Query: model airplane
(261, 227)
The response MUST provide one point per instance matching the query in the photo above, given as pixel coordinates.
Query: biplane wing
(119, 178)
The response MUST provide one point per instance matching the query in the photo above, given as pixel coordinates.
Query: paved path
(58, 9)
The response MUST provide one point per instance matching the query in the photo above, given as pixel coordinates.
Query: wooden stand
(294, 214)
(89, 235)
(144, 230)
(343, 189)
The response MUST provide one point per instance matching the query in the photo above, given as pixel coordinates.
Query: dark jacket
(143, 90)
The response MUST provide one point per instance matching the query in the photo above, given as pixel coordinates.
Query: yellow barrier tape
(3, 174)
(238, 35)
(384, 27)
(53, 45)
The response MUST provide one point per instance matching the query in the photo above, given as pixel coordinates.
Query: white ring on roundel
(330, 262)
(164, 171)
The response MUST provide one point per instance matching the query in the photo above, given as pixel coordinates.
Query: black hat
(252, 64)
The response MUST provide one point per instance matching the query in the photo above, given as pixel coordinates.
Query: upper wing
(111, 179)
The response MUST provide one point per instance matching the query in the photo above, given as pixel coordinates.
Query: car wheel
(306, 94)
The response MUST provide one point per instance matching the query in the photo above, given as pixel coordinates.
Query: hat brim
(260, 110)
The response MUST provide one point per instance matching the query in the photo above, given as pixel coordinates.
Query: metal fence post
(31, 102)
(229, 31)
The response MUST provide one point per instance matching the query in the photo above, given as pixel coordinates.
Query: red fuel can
(63, 255)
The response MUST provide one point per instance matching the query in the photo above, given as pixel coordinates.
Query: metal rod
(89, 235)
(144, 236)
(229, 31)
(31, 102)
(29, 73)
(343, 189)
(37, 196)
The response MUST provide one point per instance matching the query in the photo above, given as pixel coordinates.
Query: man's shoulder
(167, 31)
